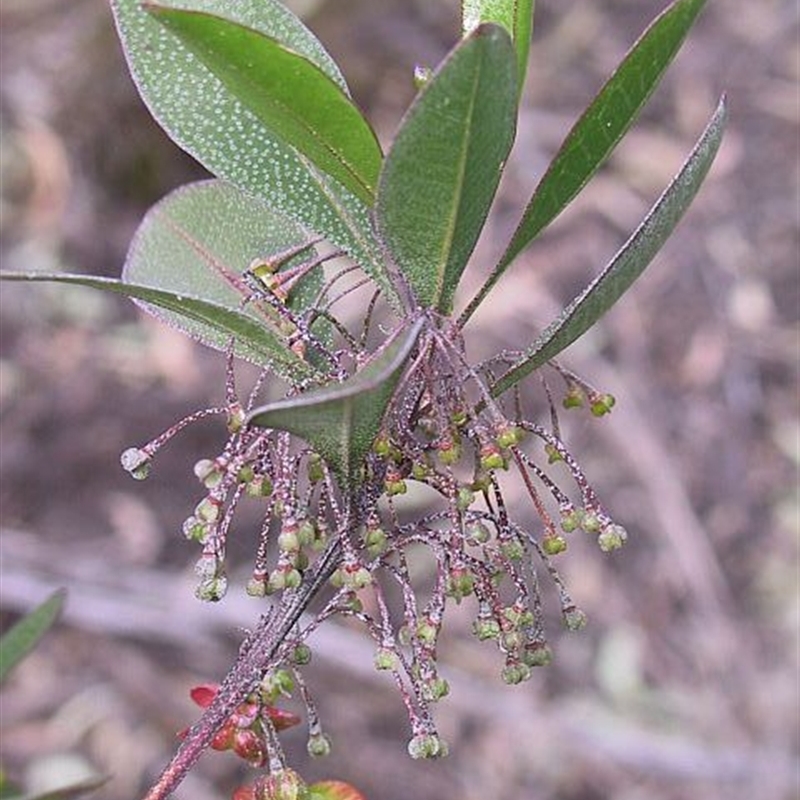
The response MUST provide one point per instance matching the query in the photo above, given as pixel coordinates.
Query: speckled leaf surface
(290, 95)
(342, 420)
(202, 116)
(198, 241)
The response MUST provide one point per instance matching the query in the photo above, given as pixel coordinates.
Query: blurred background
(685, 683)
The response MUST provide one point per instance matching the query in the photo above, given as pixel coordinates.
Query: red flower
(243, 732)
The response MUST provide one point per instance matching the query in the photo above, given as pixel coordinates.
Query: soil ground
(684, 685)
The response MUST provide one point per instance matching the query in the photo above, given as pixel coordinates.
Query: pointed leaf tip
(441, 174)
(516, 16)
(631, 260)
(22, 637)
(341, 420)
(598, 131)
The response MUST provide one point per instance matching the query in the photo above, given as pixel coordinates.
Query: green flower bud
(375, 541)
(511, 640)
(590, 522)
(207, 510)
(260, 486)
(284, 784)
(517, 615)
(278, 683)
(235, 418)
(573, 398)
(212, 589)
(385, 659)
(337, 578)
(351, 602)
(459, 418)
(427, 746)
(136, 463)
(574, 619)
(426, 632)
(276, 581)
(358, 578)
(288, 539)
(207, 473)
(382, 446)
(491, 457)
(246, 474)
(476, 533)
(612, 537)
(515, 673)
(512, 549)
(509, 436)
(256, 586)
(319, 745)
(460, 584)
(395, 487)
(419, 471)
(301, 655)
(553, 545)
(449, 452)
(435, 689)
(553, 456)
(571, 519)
(486, 629)
(195, 530)
(293, 579)
(537, 654)
(601, 404)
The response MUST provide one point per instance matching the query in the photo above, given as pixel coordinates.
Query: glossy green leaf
(341, 421)
(201, 115)
(22, 637)
(290, 95)
(629, 263)
(441, 174)
(599, 129)
(254, 341)
(199, 240)
(516, 16)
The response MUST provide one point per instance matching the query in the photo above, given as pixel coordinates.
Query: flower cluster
(446, 438)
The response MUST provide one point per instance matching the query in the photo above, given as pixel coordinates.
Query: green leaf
(17, 642)
(253, 340)
(73, 791)
(441, 174)
(199, 240)
(341, 421)
(202, 116)
(596, 134)
(334, 790)
(293, 98)
(629, 263)
(516, 16)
